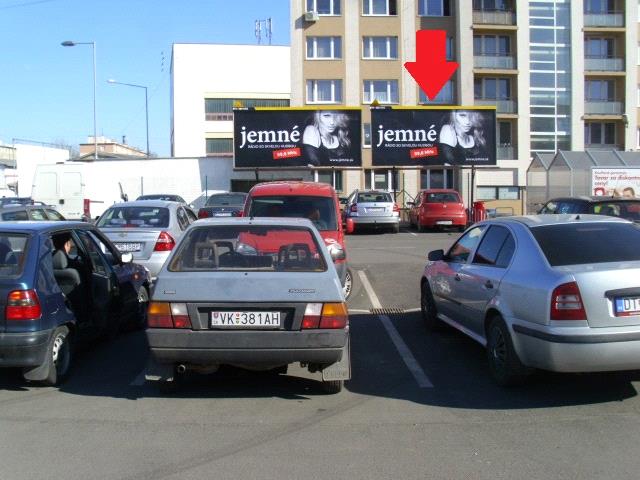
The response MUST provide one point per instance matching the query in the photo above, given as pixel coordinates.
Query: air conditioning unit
(311, 16)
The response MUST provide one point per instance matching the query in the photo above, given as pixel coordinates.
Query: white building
(206, 81)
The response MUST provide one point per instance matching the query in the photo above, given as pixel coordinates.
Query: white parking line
(413, 233)
(139, 380)
(409, 360)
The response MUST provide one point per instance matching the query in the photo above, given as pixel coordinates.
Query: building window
(599, 47)
(385, 91)
(493, 5)
(493, 45)
(324, 91)
(221, 109)
(599, 6)
(366, 134)
(498, 193)
(219, 146)
(436, 178)
(383, 179)
(599, 90)
(324, 48)
(598, 133)
(434, 8)
(450, 48)
(379, 7)
(385, 48)
(492, 88)
(332, 177)
(445, 97)
(324, 7)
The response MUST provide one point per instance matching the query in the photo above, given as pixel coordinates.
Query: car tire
(505, 366)
(332, 386)
(59, 357)
(140, 321)
(396, 229)
(428, 308)
(347, 288)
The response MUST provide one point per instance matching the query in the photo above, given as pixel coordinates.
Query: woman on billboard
(327, 138)
(462, 137)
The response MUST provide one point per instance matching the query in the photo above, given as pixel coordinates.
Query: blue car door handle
(488, 284)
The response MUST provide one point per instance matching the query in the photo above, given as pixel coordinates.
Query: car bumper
(208, 347)
(24, 349)
(373, 221)
(578, 349)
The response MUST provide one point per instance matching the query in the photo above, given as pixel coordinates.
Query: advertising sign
(277, 137)
(616, 182)
(433, 136)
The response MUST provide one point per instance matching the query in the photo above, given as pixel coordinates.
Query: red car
(315, 201)
(438, 208)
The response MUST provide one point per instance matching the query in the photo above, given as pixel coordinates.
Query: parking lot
(419, 405)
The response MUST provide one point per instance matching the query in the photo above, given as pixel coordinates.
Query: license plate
(376, 209)
(245, 319)
(129, 247)
(628, 306)
(444, 222)
(222, 214)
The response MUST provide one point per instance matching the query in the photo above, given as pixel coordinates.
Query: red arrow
(431, 70)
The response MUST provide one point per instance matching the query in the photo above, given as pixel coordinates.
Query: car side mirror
(126, 257)
(436, 255)
(350, 226)
(343, 201)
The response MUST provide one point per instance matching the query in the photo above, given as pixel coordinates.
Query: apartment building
(563, 74)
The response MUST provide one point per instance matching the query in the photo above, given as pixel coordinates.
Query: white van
(73, 190)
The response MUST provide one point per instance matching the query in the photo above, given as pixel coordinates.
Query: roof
(267, 221)
(146, 203)
(595, 198)
(311, 189)
(440, 190)
(41, 226)
(545, 220)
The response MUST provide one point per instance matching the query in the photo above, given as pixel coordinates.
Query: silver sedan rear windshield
(248, 248)
(135, 217)
(578, 244)
(372, 197)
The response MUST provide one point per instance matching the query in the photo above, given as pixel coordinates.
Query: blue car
(62, 283)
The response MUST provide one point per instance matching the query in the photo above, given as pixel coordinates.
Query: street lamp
(146, 103)
(69, 43)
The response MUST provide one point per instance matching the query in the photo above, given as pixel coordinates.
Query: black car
(627, 208)
(228, 204)
(12, 213)
(168, 197)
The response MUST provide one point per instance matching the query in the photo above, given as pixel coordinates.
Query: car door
(447, 278)
(480, 279)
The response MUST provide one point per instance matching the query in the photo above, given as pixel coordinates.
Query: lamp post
(69, 43)
(146, 103)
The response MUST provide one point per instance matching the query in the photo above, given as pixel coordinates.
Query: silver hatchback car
(555, 292)
(373, 209)
(149, 229)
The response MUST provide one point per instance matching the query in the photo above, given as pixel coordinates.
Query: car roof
(532, 221)
(31, 226)
(146, 203)
(266, 221)
(372, 191)
(440, 190)
(293, 188)
(593, 199)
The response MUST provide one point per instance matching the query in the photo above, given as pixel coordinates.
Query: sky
(46, 90)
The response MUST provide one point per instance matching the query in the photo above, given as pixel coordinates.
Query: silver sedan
(555, 292)
(149, 229)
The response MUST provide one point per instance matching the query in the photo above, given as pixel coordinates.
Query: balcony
(494, 17)
(603, 64)
(506, 152)
(502, 106)
(499, 62)
(605, 19)
(603, 107)
(603, 146)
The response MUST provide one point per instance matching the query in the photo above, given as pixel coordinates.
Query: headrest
(60, 261)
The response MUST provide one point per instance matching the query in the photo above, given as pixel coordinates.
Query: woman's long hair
(477, 129)
(342, 121)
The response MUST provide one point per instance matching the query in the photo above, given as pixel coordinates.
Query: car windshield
(371, 197)
(442, 197)
(13, 249)
(629, 210)
(583, 243)
(234, 199)
(135, 217)
(247, 248)
(320, 210)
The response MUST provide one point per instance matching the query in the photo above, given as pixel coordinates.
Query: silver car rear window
(135, 217)
(248, 248)
(372, 197)
(578, 244)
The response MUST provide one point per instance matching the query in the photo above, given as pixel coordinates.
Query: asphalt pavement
(419, 406)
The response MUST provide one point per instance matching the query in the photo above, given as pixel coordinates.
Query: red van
(438, 208)
(315, 201)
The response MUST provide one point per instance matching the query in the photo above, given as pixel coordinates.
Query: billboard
(433, 136)
(616, 182)
(296, 137)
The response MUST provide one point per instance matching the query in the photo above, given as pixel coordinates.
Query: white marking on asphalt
(409, 360)
(139, 380)
(414, 234)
